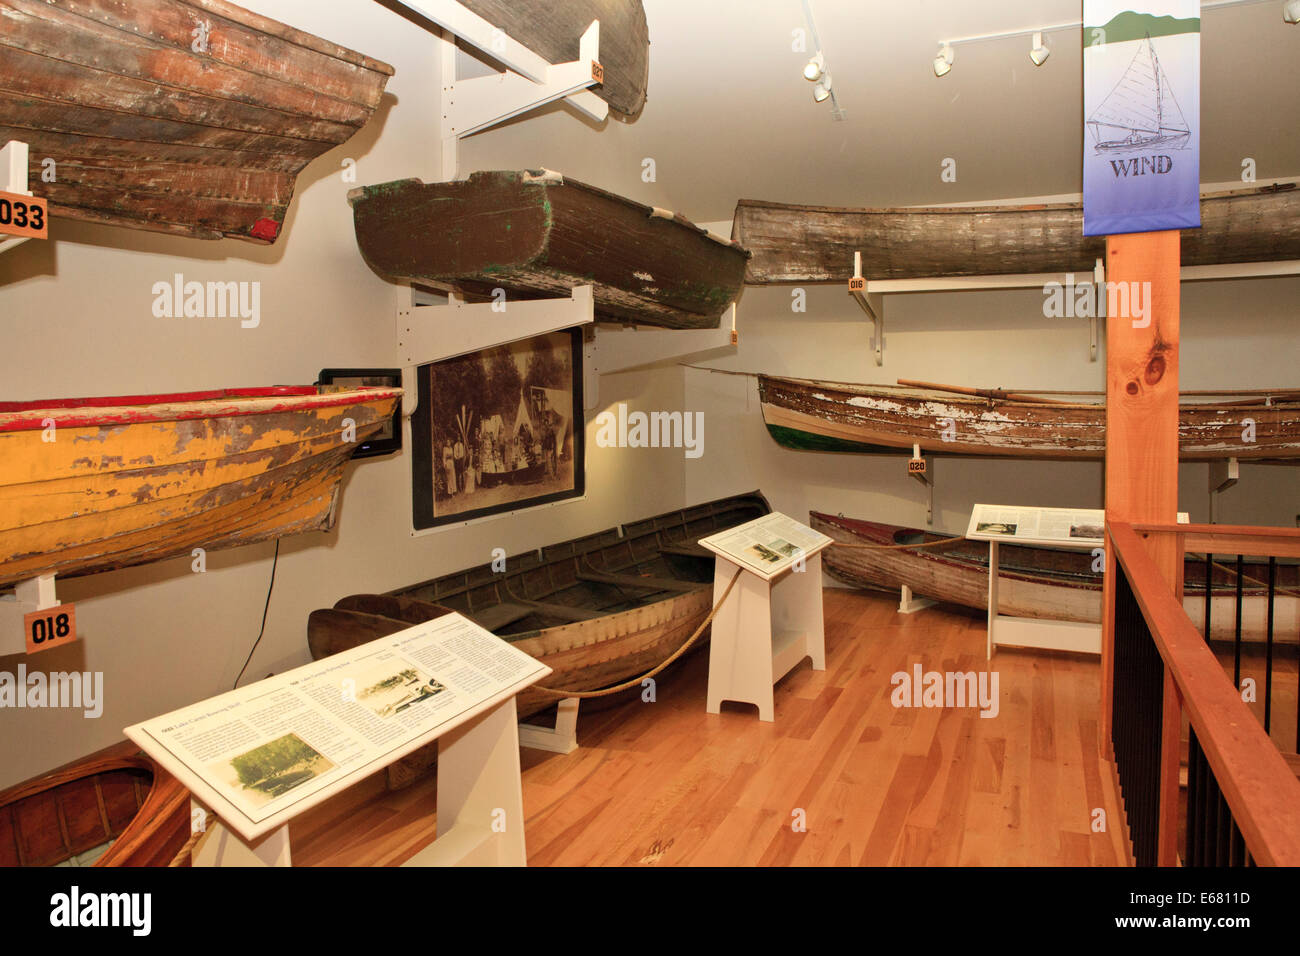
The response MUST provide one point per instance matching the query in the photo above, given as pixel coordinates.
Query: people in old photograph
(1086, 531)
(995, 527)
(764, 553)
(503, 425)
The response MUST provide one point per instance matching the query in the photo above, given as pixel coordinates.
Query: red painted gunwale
(180, 406)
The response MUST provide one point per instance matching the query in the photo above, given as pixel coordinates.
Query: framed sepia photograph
(498, 430)
(389, 438)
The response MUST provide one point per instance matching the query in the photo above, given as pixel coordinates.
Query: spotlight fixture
(812, 72)
(943, 60)
(823, 89)
(1291, 11)
(1040, 51)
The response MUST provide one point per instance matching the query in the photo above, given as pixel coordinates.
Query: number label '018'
(52, 627)
(24, 216)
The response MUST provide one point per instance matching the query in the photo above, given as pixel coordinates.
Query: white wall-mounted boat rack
(470, 106)
(13, 179)
(36, 594)
(428, 332)
(869, 293)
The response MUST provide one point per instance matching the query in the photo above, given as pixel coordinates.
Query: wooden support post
(1142, 334)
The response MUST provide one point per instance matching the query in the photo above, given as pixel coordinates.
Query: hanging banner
(1142, 115)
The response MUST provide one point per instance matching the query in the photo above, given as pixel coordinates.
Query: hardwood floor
(665, 783)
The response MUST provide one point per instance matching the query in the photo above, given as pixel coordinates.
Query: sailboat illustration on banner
(1140, 111)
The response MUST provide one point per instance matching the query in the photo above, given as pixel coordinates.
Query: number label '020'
(24, 216)
(51, 627)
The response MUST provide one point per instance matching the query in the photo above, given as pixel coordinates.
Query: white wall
(77, 320)
(1234, 335)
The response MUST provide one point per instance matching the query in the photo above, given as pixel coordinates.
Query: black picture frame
(505, 467)
(389, 438)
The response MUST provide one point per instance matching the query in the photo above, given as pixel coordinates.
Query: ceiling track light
(1291, 11)
(943, 60)
(822, 91)
(813, 70)
(1040, 51)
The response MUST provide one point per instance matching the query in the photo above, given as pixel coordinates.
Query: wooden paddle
(985, 393)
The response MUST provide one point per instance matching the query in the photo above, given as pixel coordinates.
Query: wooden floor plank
(666, 784)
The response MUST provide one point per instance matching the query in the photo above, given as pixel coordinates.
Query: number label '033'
(53, 627)
(24, 216)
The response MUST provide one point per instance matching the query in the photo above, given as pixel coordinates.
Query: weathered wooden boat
(1041, 582)
(118, 796)
(191, 117)
(552, 30)
(96, 483)
(598, 609)
(841, 416)
(792, 243)
(538, 234)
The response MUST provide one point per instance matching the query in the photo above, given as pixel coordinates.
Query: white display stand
(1069, 528)
(1076, 529)
(357, 712)
(773, 618)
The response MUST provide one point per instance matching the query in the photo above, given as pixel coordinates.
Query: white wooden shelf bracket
(621, 350)
(13, 179)
(873, 303)
(1223, 475)
(36, 594)
(430, 333)
(473, 105)
(920, 468)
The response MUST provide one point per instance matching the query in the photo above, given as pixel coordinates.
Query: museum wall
(78, 321)
(1235, 334)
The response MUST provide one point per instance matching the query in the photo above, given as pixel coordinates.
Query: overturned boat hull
(93, 484)
(845, 417)
(1039, 582)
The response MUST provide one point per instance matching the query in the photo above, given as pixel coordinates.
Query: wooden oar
(984, 393)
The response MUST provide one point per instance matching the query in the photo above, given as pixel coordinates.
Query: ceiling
(729, 114)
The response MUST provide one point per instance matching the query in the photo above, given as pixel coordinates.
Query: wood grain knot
(1155, 369)
(1131, 388)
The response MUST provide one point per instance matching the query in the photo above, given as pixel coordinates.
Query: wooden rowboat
(191, 117)
(552, 30)
(1040, 582)
(538, 234)
(117, 795)
(791, 243)
(97, 483)
(840, 416)
(598, 609)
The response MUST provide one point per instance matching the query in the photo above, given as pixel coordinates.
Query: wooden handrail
(1231, 538)
(1260, 788)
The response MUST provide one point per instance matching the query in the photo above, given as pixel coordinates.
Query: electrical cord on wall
(274, 562)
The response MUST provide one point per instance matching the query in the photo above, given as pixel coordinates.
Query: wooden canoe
(1041, 582)
(790, 243)
(841, 416)
(538, 234)
(97, 483)
(598, 610)
(117, 795)
(191, 117)
(552, 30)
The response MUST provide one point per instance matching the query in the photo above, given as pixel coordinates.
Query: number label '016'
(24, 216)
(53, 627)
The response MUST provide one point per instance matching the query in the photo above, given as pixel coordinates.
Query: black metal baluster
(1209, 592)
(1268, 645)
(1190, 847)
(1236, 644)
